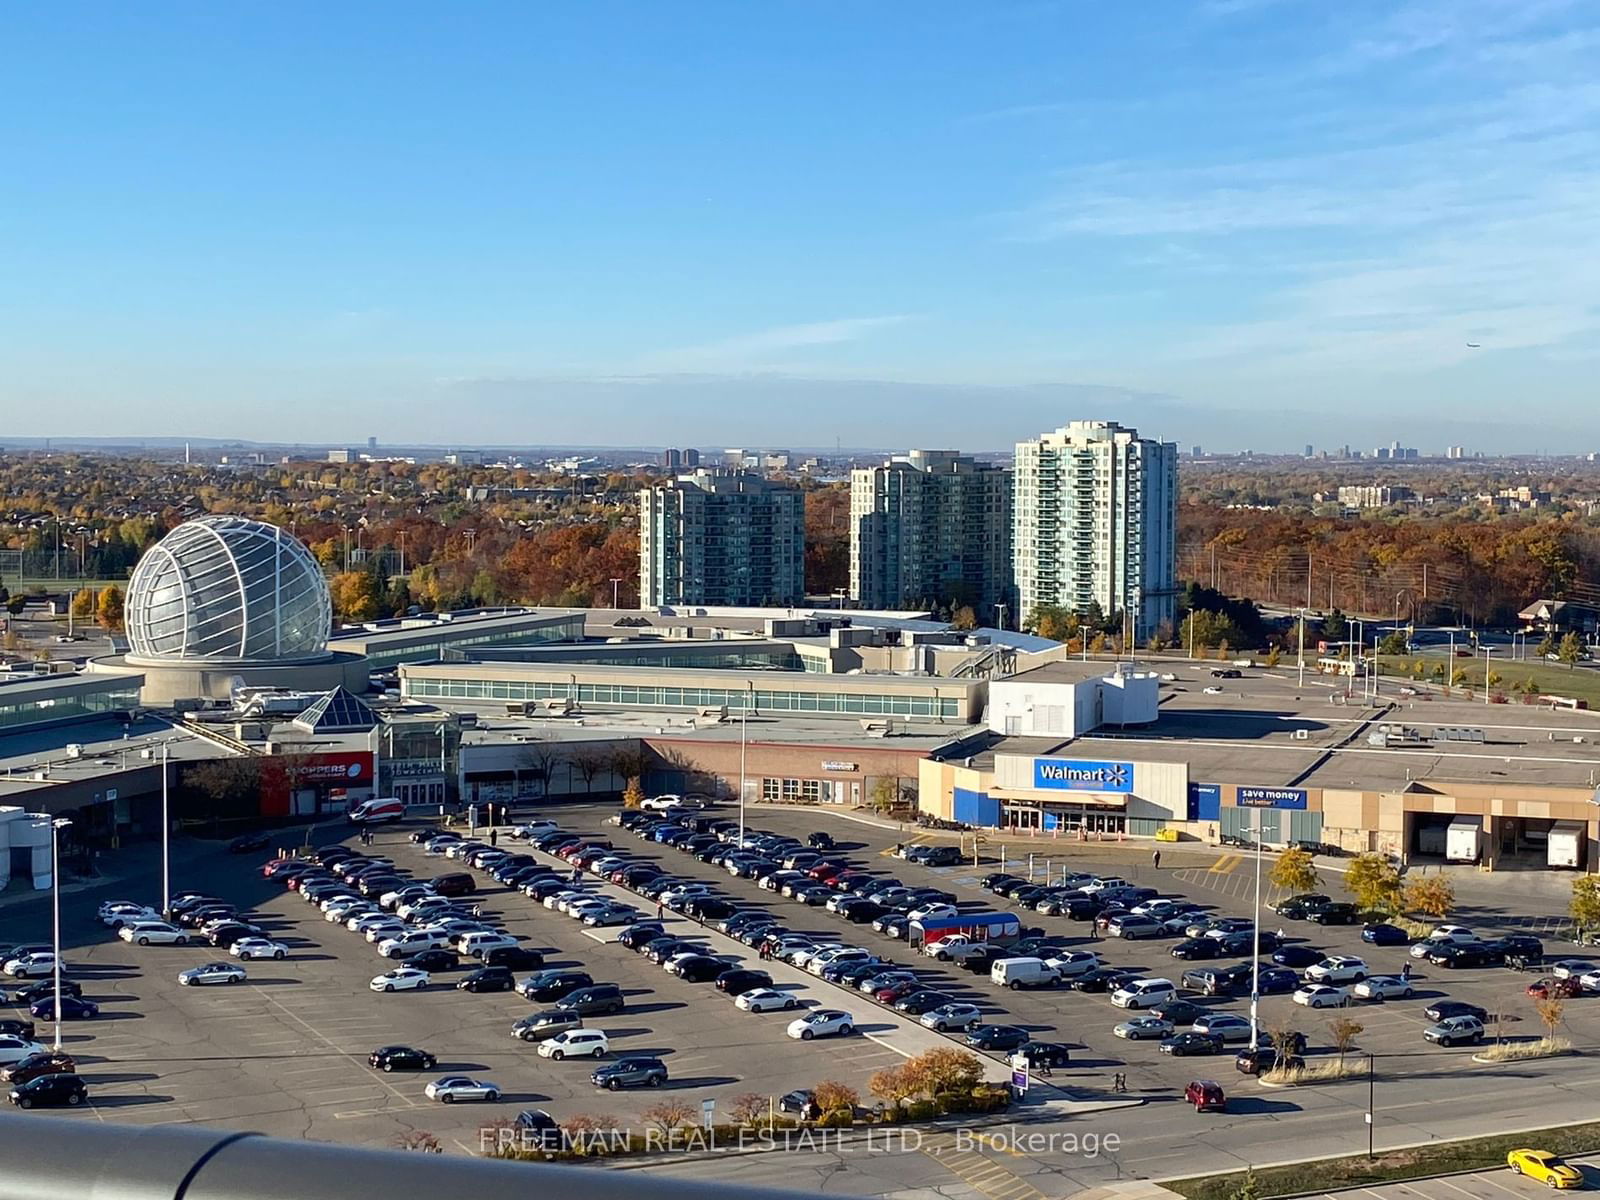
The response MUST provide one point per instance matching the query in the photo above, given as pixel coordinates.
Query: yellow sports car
(1543, 1167)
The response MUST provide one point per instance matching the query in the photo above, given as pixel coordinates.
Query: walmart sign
(1075, 775)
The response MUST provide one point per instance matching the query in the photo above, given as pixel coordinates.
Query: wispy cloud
(746, 348)
(1386, 242)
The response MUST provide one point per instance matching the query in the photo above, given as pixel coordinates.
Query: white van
(377, 810)
(1018, 973)
(1144, 993)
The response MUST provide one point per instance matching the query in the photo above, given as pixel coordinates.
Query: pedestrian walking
(1155, 859)
(1119, 1082)
(1405, 973)
(661, 910)
(494, 837)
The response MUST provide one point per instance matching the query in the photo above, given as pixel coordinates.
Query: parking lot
(285, 1052)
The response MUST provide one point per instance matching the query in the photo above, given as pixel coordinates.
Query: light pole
(1302, 652)
(166, 841)
(56, 826)
(1487, 650)
(744, 725)
(616, 583)
(1255, 960)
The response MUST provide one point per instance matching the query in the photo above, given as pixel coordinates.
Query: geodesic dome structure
(228, 589)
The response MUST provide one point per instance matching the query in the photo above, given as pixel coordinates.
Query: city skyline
(1234, 222)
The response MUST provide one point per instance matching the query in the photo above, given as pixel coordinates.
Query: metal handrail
(51, 1158)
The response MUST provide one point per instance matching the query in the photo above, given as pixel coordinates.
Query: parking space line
(312, 1030)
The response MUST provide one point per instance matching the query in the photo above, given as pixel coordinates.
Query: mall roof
(108, 748)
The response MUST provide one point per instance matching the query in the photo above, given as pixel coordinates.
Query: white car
(370, 921)
(579, 909)
(401, 979)
(1572, 968)
(1101, 883)
(1074, 963)
(153, 933)
(117, 913)
(1383, 987)
(1322, 995)
(575, 1043)
(209, 973)
(765, 1000)
(821, 1022)
(1213, 690)
(341, 913)
(676, 896)
(532, 829)
(662, 803)
(258, 947)
(942, 948)
(481, 943)
(932, 912)
(1136, 1029)
(951, 1016)
(15, 1049)
(817, 962)
(459, 1087)
(804, 954)
(612, 914)
(410, 907)
(32, 966)
(556, 899)
(339, 900)
(411, 942)
(1338, 968)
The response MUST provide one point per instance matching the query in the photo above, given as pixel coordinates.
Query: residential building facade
(1095, 523)
(932, 527)
(721, 539)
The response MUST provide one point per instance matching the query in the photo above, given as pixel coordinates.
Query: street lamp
(744, 724)
(56, 826)
(616, 583)
(1487, 650)
(166, 840)
(1302, 651)
(1255, 958)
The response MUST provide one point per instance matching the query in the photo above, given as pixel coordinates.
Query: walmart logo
(1070, 775)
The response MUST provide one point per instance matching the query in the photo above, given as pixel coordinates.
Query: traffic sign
(1019, 1080)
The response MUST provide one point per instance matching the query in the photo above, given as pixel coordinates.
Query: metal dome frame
(228, 590)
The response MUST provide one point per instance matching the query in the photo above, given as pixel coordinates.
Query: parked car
(1189, 1042)
(636, 1071)
(1384, 934)
(1541, 1166)
(1383, 987)
(462, 1087)
(821, 1022)
(210, 973)
(50, 1091)
(1453, 1031)
(575, 1043)
(487, 979)
(401, 1058)
(997, 1037)
(766, 1000)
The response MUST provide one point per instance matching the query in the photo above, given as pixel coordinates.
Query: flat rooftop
(109, 747)
(1266, 729)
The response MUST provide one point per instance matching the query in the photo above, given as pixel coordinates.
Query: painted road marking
(980, 1172)
(1225, 864)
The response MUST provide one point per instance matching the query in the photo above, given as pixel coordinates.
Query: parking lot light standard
(166, 841)
(1255, 958)
(56, 826)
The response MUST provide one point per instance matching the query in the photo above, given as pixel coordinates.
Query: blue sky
(1236, 222)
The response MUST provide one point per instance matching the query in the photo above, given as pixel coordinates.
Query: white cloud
(753, 347)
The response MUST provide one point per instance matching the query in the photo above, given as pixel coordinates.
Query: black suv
(741, 980)
(487, 979)
(515, 958)
(630, 1072)
(49, 1091)
(593, 1000)
(552, 985)
(1339, 912)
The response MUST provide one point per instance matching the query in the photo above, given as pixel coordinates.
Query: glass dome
(228, 589)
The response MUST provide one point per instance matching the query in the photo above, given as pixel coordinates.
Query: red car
(1206, 1095)
(1563, 989)
(896, 991)
(823, 872)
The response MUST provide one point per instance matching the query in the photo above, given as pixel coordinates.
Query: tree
(629, 763)
(1393, 643)
(109, 609)
(1248, 1188)
(944, 1070)
(538, 762)
(1274, 656)
(1585, 903)
(668, 1115)
(83, 603)
(1375, 882)
(1493, 679)
(588, 764)
(356, 596)
(885, 793)
(15, 604)
(1053, 622)
(831, 1096)
(893, 1085)
(1571, 650)
(1097, 644)
(1530, 686)
(1458, 677)
(1551, 1010)
(1295, 871)
(964, 618)
(1343, 1032)
(1548, 646)
(1334, 627)
(1286, 1041)
(633, 794)
(1432, 895)
(748, 1108)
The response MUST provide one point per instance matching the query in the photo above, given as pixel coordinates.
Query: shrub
(922, 1110)
(417, 1139)
(1518, 1051)
(946, 1069)
(748, 1107)
(831, 1094)
(836, 1118)
(953, 1102)
(668, 1115)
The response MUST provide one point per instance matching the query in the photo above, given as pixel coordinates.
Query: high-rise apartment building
(932, 527)
(677, 460)
(725, 539)
(1096, 522)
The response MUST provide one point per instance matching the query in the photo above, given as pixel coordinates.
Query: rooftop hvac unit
(74, 750)
(147, 753)
(1301, 735)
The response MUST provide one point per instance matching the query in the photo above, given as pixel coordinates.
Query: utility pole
(1302, 682)
(1487, 650)
(615, 583)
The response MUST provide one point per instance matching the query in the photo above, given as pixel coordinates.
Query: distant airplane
(1474, 345)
